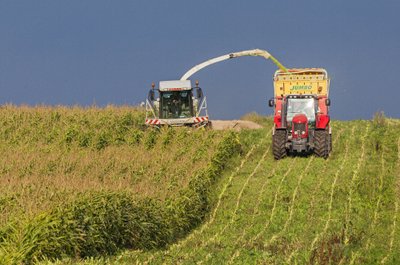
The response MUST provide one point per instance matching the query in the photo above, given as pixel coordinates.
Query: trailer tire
(322, 143)
(278, 144)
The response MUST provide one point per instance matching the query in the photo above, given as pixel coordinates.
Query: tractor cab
(300, 117)
(177, 104)
(304, 105)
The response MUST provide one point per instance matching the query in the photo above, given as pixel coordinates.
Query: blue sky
(108, 52)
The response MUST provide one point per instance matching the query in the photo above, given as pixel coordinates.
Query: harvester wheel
(322, 143)
(278, 144)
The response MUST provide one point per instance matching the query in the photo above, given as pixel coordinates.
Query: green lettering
(299, 87)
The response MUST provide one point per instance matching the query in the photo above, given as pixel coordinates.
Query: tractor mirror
(151, 95)
(327, 102)
(199, 92)
(271, 102)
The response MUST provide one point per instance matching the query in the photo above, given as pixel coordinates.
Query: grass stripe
(327, 223)
(354, 178)
(392, 234)
(255, 211)
(313, 196)
(293, 201)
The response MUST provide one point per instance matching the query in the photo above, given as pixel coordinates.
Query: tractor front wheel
(278, 144)
(322, 143)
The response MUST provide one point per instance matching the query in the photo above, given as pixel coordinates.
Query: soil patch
(234, 125)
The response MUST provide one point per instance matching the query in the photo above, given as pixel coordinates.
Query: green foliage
(85, 140)
(378, 130)
(102, 141)
(135, 137)
(150, 139)
(167, 136)
(379, 119)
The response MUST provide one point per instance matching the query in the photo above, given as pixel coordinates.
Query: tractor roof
(175, 85)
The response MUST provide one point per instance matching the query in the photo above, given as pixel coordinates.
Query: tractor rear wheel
(322, 143)
(278, 144)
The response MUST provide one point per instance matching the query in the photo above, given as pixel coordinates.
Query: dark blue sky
(81, 52)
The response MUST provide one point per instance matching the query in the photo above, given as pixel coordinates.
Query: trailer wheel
(278, 144)
(322, 143)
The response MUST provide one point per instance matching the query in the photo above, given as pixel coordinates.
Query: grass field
(299, 210)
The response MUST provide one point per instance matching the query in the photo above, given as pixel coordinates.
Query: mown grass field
(299, 210)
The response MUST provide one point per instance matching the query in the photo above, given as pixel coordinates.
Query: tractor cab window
(176, 104)
(304, 106)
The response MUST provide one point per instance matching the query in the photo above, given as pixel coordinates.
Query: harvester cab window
(304, 106)
(176, 104)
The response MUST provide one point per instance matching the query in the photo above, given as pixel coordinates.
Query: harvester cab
(301, 115)
(177, 103)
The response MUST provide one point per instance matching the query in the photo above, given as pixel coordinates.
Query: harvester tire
(278, 144)
(322, 143)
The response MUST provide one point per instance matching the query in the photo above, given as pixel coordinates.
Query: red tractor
(301, 116)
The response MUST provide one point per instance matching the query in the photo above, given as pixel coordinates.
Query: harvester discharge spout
(255, 52)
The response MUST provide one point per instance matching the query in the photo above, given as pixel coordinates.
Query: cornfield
(88, 182)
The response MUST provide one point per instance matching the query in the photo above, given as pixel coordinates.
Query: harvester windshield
(176, 104)
(304, 106)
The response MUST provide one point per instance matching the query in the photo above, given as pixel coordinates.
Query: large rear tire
(322, 143)
(278, 144)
